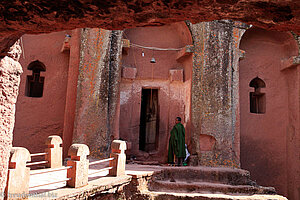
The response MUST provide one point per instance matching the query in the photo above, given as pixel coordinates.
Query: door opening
(149, 120)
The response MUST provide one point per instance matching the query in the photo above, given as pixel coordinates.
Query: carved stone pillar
(118, 148)
(18, 173)
(10, 71)
(54, 150)
(79, 172)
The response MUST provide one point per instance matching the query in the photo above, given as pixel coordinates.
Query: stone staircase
(207, 183)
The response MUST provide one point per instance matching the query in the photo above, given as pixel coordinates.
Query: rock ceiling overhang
(43, 16)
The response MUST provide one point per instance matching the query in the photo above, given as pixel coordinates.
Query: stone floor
(40, 179)
(98, 182)
(45, 178)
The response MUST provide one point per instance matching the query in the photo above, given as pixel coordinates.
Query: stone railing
(77, 167)
(53, 153)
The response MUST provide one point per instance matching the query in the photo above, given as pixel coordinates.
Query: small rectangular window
(257, 98)
(257, 103)
(35, 86)
(35, 82)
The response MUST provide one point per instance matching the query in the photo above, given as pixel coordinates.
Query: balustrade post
(17, 186)
(79, 163)
(118, 148)
(54, 151)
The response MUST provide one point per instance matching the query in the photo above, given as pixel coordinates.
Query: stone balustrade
(54, 151)
(18, 173)
(79, 171)
(118, 148)
(77, 167)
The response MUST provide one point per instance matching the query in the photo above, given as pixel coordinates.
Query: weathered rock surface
(20, 17)
(222, 184)
(10, 71)
(206, 180)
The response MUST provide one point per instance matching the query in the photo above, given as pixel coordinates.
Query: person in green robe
(177, 143)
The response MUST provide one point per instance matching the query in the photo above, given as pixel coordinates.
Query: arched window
(257, 98)
(35, 82)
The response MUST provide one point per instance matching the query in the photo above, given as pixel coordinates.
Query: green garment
(176, 143)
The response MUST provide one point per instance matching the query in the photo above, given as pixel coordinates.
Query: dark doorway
(149, 120)
(35, 83)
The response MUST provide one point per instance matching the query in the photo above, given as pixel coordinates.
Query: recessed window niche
(35, 82)
(257, 98)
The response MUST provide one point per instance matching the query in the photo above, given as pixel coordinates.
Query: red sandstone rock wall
(10, 71)
(270, 142)
(215, 101)
(215, 107)
(37, 118)
(215, 98)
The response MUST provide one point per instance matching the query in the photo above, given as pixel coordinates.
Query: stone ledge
(241, 54)
(125, 46)
(186, 51)
(139, 174)
(66, 46)
(290, 62)
(171, 196)
(94, 187)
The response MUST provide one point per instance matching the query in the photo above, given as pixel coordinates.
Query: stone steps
(206, 174)
(206, 187)
(197, 196)
(205, 180)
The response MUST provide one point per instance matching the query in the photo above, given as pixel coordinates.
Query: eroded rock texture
(10, 71)
(215, 98)
(97, 90)
(19, 17)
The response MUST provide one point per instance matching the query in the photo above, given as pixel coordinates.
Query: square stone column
(18, 174)
(80, 165)
(54, 151)
(118, 148)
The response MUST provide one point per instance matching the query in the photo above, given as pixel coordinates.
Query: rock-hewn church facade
(235, 87)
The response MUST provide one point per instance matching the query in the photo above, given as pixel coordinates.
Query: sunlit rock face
(19, 17)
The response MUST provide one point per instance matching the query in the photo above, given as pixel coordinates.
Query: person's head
(178, 120)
